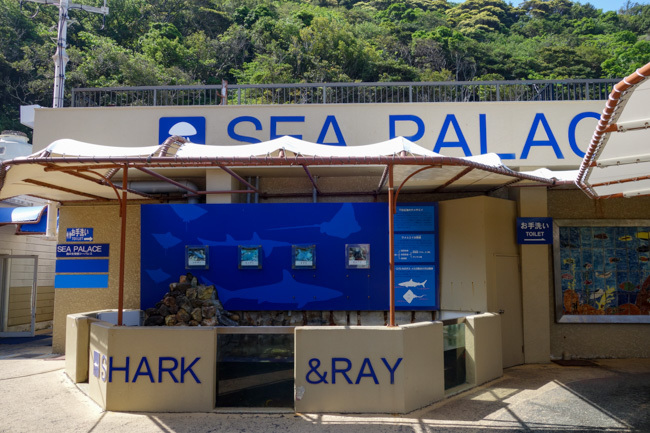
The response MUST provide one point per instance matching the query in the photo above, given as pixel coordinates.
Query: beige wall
(598, 340)
(536, 282)
(483, 348)
(77, 344)
(21, 277)
(187, 352)
(418, 379)
(106, 223)
(472, 231)
(20, 305)
(507, 125)
(101, 352)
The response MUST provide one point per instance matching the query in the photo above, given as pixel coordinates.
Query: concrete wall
(322, 352)
(161, 369)
(483, 348)
(337, 369)
(106, 223)
(581, 340)
(77, 344)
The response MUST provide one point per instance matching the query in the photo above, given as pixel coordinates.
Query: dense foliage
(158, 42)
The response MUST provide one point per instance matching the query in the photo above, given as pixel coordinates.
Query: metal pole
(391, 246)
(120, 297)
(60, 57)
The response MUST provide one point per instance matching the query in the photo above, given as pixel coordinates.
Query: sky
(610, 5)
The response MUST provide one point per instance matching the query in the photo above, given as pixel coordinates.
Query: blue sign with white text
(82, 250)
(190, 128)
(79, 234)
(416, 257)
(535, 231)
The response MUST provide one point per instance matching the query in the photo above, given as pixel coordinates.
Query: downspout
(391, 246)
(155, 187)
(120, 297)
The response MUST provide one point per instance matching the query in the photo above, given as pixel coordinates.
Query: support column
(535, 282)
(218, 180)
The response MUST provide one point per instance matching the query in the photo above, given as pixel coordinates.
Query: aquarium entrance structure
(611, 166)
(70, 171)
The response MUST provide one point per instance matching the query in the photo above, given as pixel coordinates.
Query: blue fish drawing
(342, 225)
(189, 212)
(287, 291)
(267, 244)
(166, 240)
(157, 275)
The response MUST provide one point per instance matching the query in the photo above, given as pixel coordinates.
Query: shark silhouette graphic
(166, 240)
(287, 291)
(267, 244)
(342, 225)
(411, 283)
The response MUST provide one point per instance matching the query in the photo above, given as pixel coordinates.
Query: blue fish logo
(287, 291)
(342, 225)
(267, 245)
(166, 240)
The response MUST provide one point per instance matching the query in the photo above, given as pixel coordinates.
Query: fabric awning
(69, 170)
(28, 219)
(21, 215)
(617, 163)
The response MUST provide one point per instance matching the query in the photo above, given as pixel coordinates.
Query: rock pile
(189, 304)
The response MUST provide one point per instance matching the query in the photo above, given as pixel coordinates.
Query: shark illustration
(157, 275)
(166, 240)
(411, 283)
(267, 245)
(342, 225)
(409, 296)
(287, 291)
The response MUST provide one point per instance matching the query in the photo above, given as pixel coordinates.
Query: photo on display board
(250, 257)
(303, 256)
(357, 256)
(196, 257)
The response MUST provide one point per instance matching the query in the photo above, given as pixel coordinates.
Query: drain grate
(575, 363)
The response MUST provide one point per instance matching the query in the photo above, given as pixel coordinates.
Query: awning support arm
(238, 177)
(311, 179)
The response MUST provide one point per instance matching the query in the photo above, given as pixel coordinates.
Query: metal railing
(346, 93)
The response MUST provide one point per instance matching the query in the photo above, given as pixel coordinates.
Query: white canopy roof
(69, 170)
(617, 163)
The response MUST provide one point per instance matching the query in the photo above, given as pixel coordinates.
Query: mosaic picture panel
(604, 270)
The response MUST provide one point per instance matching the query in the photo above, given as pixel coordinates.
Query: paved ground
(610, 396)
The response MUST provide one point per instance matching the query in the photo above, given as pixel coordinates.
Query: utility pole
(61, 57)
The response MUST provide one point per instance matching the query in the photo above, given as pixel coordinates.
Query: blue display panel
(81, 281)
(415, 247)
(416, 257)
(276, 228)
(81, 265)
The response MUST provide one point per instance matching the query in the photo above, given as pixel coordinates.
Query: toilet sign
(535, 230)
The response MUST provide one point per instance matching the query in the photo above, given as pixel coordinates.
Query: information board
(416, 257)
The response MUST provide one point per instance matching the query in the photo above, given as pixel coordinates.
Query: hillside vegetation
(170, 42)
